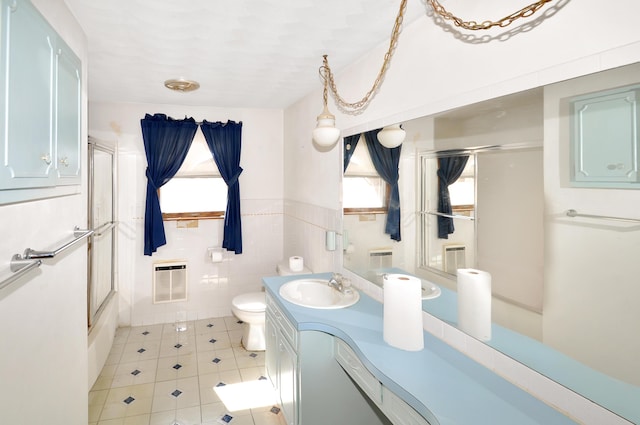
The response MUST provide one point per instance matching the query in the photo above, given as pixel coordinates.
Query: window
(197, 190)
(462, 191)
(363, 189)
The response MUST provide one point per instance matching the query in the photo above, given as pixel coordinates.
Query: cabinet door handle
(46, 158)
(277, 314)
(64, 161)
(618, 166)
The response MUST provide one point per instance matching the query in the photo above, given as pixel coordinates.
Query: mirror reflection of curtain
(166, 143)
(349, 147)
(449, 170)
(224, 141)
(386, 162)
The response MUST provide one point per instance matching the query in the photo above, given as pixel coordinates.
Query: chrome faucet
(336, 282)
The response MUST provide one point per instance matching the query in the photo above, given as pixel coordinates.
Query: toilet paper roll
(474, 303)
(402, 312)
(296, 264)
(215, 255)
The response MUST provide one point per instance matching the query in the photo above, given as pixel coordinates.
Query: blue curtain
(349, 147)
(224, 141)
(166, 143)
(386, 162)
(449, 170)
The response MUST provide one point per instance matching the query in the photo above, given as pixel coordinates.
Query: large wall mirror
(545, 199)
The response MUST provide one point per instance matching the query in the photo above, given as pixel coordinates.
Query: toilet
(250, 308)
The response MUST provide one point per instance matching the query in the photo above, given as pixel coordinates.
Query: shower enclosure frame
(100, 288)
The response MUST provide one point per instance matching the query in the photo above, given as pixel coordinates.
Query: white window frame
(361, 167)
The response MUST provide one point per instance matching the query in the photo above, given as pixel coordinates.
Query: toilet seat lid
(252, 301)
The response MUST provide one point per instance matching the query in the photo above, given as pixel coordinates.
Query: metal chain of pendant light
(327, 120)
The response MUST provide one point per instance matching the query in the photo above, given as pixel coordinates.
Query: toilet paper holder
(216, 255)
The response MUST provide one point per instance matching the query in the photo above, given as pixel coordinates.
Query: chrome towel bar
(104, 228)
(574, 213)
(456, 216)
(34, 264)
(30, 254)
(32, 259)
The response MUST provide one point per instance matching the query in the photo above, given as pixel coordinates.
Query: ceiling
(247, 54)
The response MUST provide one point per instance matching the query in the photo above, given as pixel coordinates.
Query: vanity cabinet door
(399, 412)
(281, 360)
(288, 381)
(26, 113)
(271, 357)
(358, 372)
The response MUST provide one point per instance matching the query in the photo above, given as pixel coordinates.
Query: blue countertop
(442, 384)
(620, 397)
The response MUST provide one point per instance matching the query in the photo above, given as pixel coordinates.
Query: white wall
(510, 228)
(43, 360)
(211, 286)
(435, 70)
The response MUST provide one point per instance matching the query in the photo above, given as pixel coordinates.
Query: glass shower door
(101, 219)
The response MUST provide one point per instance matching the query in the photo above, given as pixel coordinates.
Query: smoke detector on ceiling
(181, 85)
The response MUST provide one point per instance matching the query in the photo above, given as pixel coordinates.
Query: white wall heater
(380, 258)
(454, 258)
(169, 282)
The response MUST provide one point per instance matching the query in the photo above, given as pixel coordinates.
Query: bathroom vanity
(333, 366)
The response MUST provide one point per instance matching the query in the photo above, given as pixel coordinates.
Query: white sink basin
(430, 290)
(316, 293)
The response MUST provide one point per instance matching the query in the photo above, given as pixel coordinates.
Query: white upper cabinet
(605, 139)
(40, 111)
(67, 112)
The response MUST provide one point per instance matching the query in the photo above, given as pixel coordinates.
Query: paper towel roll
(402, 312)
(296, 264)
(474, 303)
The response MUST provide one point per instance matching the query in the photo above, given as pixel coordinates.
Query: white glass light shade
(326, 134)
(391, 136)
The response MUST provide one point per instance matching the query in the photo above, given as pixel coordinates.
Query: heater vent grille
(454, 258)
(380, 258)
(169, 282)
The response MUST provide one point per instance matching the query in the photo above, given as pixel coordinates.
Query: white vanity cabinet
(40, 113)
(319, 380)
(392, 406)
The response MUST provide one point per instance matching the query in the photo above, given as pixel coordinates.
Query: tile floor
(201, 376)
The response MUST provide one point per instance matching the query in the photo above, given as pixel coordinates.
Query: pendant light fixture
(391, 136)
(326, 134)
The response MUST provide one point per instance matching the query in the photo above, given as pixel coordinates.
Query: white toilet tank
(283, 269)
